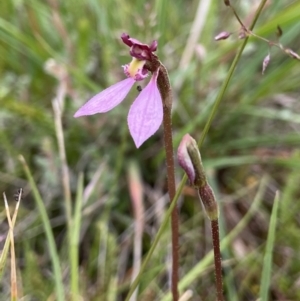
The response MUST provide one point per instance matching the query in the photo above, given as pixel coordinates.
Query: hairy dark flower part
(209, 202)
(189, 159)
(222, 36)
(266, 62)
(227, 2)
(139, 50)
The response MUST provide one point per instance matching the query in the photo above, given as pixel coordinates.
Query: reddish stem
(166, 95)
(217, 258)
(167, 121)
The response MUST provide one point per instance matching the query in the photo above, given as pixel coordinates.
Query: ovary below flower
(146, 112)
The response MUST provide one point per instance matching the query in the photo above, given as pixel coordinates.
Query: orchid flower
(146, 112)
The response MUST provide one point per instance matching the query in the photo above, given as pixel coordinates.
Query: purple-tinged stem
(211, 207)
(189, 159)
(167, 122)
(166, 94)
(217, 258)
(249, 32)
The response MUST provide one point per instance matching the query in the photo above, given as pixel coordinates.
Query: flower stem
(211, 207)
(166, 94)
(217, 258)
(167, 121)
(249, 32)
(228, 77)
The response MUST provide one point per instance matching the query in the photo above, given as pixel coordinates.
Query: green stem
(157, 238)
(228, 77)
(74, 240)
(49, 234)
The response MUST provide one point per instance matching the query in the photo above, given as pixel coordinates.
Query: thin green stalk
(160, 232)
(228, 77)
(74, 236)
(62, 154)
(49, 234)
(106, 211)
(267, 266)
(57, 104)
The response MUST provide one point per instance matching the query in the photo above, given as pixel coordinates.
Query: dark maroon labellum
(139, 50)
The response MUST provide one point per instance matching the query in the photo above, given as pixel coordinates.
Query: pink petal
(146, 113)
(107, 99)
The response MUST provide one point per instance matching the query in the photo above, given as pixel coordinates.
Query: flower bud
(222, 36)
(266, 62)
(292, 53)
(190, 160)
(139, 50)
(209, 202)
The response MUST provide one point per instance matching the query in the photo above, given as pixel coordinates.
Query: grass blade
(49, 234)
(13, 283)
(267, 265)
(75, 235)
(4, 252)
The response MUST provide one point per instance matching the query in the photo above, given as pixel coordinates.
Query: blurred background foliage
(73, 47)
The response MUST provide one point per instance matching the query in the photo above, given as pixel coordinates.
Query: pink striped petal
(107, 99)
(146, 113)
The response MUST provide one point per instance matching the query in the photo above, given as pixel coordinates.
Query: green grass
(250, 150)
